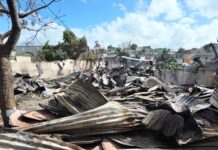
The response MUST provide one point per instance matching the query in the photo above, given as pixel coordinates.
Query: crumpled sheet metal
(184, 102)
(56, 108)
(182, 126)
(175, 121)
(145, 139)
(24, 84)
(152, 81)
(81, 96)
(29, 141)
(142, 139)
(163, 120)
(214, 98)
(39, 115)
(109, 118)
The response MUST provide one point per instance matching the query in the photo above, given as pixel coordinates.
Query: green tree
(181, 50)
(164, 54)
(90, 57)
(83, 46)
(118, 50)
(72, 45)
(50, 55)
(97, 45)
(121, 52)
(143, 50)
(46, 45)
(133, 46)
(110, 48)
(69, 37)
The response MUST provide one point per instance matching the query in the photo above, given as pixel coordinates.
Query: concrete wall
(50, 70)
(203, 77)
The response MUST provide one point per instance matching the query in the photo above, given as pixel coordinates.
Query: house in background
(27, 49)
(188, 55)
(207, 56)
(24, 52)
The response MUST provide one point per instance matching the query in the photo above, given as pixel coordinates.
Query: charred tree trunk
(7, 100)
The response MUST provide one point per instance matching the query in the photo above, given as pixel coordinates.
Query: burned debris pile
(10, 139)
(118, 108)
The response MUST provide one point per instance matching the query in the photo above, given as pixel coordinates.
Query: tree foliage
(170, 64)
(90, 57)
(72, 45)
(133, 46)
(164, 54)
(110, 48)
(121, 52)
(181, 50)
(71, 48)
(97, 45)
(69, 37)
(49, 53)
(165, 61)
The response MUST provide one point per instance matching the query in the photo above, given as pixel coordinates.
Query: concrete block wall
(50, 69)
(203, 77)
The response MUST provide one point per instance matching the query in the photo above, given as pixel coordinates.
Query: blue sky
(88, 13)
(158, 23)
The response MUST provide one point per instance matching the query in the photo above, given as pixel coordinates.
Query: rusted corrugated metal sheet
(214, 98)
(109, 118)
(28, 141)
(81, 96)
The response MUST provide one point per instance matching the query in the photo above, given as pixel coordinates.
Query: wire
(56, 16)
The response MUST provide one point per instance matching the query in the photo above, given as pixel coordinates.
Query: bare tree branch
(33, 38)
(35, 10)
(4, 11)
(7, 101)
(16, 26)
(23, 15)
(5, 35)
(44, 27)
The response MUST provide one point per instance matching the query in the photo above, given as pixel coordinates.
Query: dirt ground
(31, 102)
(28, 103)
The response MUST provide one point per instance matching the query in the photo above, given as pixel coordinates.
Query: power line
(56, 16)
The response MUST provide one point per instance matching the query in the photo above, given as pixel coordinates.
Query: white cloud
(53, 34)
(187, 20)
(120, 6)
(141, 6)
(207, 8)
(141, 28)
(169, 8)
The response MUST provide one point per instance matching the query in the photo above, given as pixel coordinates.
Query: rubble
(25, 84)
(121, 108)
(80, 97)
(109, 118)
(22, 140)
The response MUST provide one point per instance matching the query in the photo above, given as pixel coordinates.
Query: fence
(203, 76)
(50, 70)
